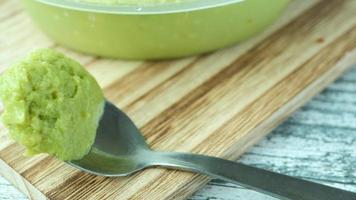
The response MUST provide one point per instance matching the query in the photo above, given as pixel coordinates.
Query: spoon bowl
(119, 147)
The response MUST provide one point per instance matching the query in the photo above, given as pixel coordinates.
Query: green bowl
(162, 31)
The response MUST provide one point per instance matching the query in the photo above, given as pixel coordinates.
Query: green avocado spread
(52, 105)
(133, 2)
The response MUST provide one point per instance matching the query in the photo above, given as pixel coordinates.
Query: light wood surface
(217, 104)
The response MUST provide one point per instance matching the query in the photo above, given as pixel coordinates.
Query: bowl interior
(160, 8)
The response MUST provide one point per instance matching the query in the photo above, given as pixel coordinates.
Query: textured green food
(52, 105)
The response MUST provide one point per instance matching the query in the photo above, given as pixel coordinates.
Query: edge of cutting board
(20, 182)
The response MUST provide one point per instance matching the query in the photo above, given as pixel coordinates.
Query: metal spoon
(120, 150)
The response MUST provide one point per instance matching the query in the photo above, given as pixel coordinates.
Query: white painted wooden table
(317, 143)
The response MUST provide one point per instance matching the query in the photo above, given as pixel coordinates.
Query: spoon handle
(271, 183)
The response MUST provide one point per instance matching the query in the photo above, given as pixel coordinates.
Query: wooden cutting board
(217, 104)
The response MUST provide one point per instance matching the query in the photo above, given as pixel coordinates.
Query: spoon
(120, 150)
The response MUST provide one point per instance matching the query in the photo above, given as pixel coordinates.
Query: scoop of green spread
(52, 105)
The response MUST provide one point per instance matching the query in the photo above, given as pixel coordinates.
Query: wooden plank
(245, 90)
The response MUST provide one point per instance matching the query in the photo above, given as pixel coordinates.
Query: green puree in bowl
(52, 105)
(137, 31)
(137, 2)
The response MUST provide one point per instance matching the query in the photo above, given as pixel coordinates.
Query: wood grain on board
(217, 104)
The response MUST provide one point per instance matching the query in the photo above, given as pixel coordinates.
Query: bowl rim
(162, 8)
